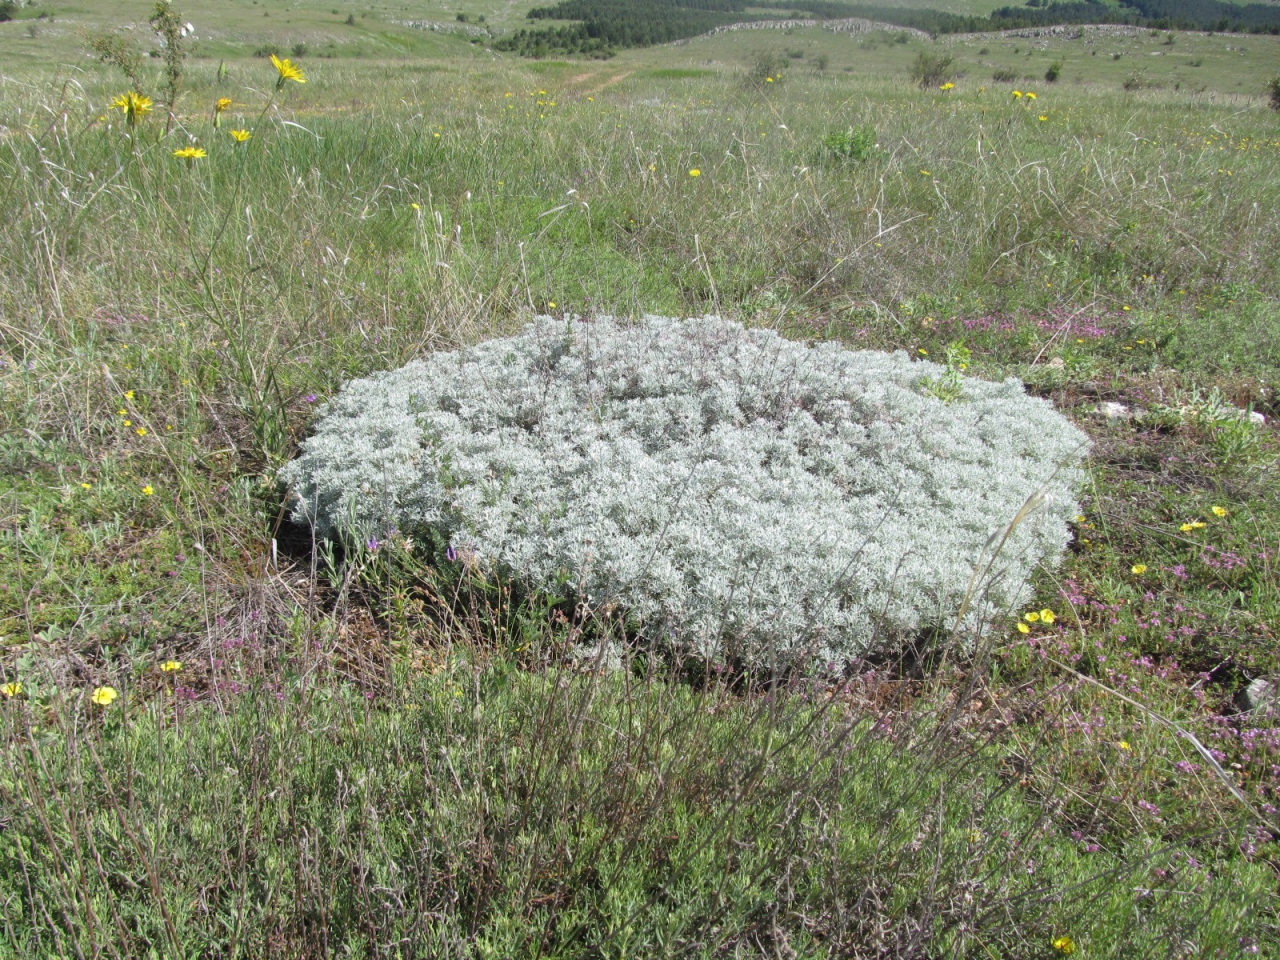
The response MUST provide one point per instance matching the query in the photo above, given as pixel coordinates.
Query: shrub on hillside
(736, 495)
(932, 69)
(1273, 87)
(766, 67)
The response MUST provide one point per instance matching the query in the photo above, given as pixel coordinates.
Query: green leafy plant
(931, 69)
(766, 68)
(855, 143)
(118, 51)
(949, 386)
(172, 30)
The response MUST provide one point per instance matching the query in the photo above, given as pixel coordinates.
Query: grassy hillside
(384, 754)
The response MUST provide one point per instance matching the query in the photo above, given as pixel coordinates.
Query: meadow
(221, 738)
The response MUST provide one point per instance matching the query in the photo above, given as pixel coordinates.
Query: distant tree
(932, 69)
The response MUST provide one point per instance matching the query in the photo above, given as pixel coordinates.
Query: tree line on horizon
(599, 28)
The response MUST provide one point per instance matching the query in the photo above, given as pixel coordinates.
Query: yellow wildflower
(171, 666)
(240, 136)
(1124, 745)
(148, 490)
(947, 86)
(1017, 94)
(222, 104)
(190, 153)
(1032, 617)
(1064, 944)
(695, 172)
(1030, 95)
(133, 105)
(141, 431)
(103, 696)
(11, 689)
(1219, 511)
(287, 71)
(1138, 569)
(1023, 628)
(1046, 616)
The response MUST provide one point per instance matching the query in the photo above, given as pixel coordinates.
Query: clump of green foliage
(766, 66)
(855, 143)
(932, 69)
(1273, 88)
(169, 26)
(116, 50)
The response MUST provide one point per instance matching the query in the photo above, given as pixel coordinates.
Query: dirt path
(584, 77)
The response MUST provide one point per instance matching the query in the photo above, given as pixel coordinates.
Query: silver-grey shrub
(738, 495)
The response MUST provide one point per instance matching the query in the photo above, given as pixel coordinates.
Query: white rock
(1114, 411)
(1260, 694)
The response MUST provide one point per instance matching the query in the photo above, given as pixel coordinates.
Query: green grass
(361, 753)
(494, 813)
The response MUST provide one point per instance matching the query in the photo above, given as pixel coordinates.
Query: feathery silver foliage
(739, 495)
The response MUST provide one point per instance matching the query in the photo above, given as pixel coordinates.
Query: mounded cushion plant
(738, 496)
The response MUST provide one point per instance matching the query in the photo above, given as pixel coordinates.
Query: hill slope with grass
(223, 734)
(599, 28)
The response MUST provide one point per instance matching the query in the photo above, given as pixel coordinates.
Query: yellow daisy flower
(133, 105)
(287, 71)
